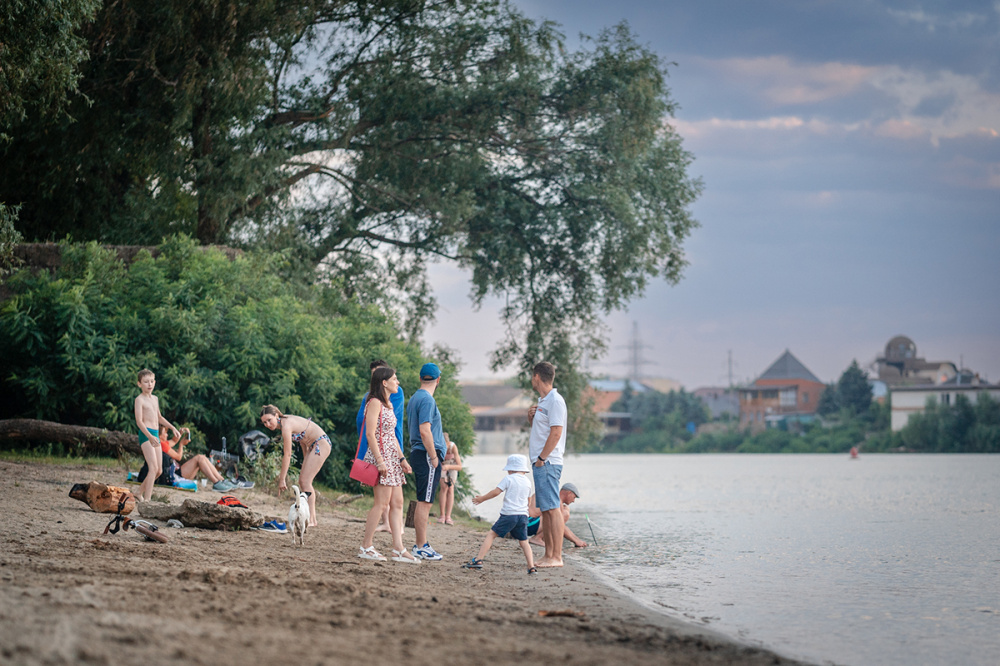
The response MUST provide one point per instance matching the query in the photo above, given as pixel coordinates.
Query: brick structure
(786, 391)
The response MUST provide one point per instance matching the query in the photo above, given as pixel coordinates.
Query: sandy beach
(69, 594)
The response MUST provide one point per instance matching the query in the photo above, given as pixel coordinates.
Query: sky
(850, 153)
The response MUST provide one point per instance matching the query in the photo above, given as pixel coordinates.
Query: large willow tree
(374, 136)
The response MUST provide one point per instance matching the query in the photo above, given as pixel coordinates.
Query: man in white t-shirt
(546, 446)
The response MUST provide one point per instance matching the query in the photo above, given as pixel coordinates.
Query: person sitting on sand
(567, 495)
(315, 450)
(198, 463)
(513, 518)
(449, 479)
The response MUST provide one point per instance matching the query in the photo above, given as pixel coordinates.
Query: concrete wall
(500, 442)
(907, 403)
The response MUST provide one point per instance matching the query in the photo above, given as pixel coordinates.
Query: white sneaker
(371, 554)
(425, 552)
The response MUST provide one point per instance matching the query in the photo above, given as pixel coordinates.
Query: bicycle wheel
(150, 534)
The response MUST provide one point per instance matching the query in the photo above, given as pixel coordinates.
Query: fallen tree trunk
(94, 441)
(206, 515)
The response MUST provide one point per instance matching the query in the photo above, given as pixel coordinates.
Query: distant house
(786, 392)
(501, 417)
(910, 400)
(900, 366)
(719, 401)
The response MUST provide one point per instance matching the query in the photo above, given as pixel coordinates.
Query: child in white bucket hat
(514, 512)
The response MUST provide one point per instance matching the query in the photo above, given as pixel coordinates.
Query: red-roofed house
(785, 391)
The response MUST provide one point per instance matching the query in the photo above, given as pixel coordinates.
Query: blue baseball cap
(429, 371)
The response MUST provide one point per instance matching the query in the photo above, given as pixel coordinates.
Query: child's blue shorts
(516, 526)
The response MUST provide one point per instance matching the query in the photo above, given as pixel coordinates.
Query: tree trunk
(102, 498)
(93, 441)
(205, 515)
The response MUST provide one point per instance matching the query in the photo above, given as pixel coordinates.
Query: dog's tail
(298, 496)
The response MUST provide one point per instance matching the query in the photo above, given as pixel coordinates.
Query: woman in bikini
(385, 452)
(315, 449)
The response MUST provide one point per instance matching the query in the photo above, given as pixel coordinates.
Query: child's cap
(517, 463)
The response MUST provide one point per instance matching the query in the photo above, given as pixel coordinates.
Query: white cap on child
(517, 463)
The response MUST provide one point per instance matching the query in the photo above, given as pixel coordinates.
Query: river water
(887, 559)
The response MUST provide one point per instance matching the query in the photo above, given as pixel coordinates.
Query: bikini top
(297, 436)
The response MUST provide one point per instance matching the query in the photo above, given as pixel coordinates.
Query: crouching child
(513, 514)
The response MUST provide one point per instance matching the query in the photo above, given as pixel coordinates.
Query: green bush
(223, 337)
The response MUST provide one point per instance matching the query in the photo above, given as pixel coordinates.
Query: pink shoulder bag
(361, 470)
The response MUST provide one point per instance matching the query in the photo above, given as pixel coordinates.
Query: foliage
(372, 138)
(854, 392)
(9, 237)
(660, 420)
(41, 49)
(223, 337)
(828, 403)
(960, 428)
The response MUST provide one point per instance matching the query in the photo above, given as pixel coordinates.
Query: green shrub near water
(223, 337)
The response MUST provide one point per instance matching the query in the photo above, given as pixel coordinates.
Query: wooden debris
(102, 498)
(347, 499)
(206, 515)
(93, 441)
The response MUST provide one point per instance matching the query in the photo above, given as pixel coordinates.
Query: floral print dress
(385, 435)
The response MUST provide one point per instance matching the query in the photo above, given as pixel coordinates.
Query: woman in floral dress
(384, 452)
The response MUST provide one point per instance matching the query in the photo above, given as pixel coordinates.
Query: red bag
(362, 471)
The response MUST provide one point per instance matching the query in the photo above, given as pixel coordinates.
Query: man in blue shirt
(396, 399)
(427, 450)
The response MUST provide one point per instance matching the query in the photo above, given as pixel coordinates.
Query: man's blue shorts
(516, 526)
(546, 480)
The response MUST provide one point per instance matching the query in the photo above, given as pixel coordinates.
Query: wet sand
(70, 595)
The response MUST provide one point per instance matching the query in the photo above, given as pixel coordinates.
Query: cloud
(908, 101)
(936, 22)
(783, 82)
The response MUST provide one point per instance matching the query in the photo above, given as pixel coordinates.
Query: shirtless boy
(149, 419)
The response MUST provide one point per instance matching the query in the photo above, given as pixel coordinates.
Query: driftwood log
(206, 515)
(102, 498)
(93, 441)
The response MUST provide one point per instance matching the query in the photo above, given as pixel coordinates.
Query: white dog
(298, 516)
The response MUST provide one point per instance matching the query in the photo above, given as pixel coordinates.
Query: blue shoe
(474, 563)
(274, 526)
(223, 486)
(425, 552)
(242, 482)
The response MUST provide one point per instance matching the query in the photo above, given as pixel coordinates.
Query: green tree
(223, 337)
(9, 237)
(828, 402)
(41, 49)
(854, 392)
(659, 420)
(377, 137)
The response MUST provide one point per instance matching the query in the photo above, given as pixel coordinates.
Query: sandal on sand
(371, 554)
(441, 521)
(474, 563)
(449, 521)
(401, 556)
(532, 570)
